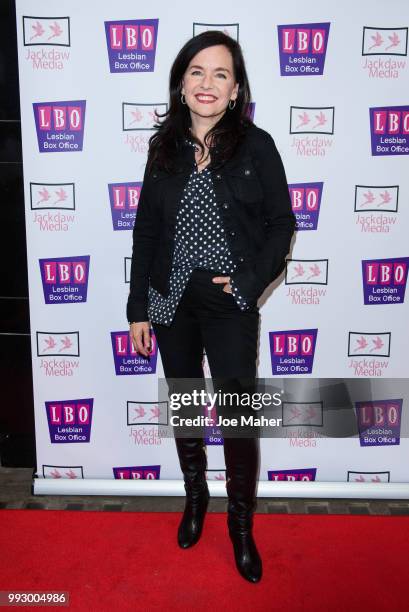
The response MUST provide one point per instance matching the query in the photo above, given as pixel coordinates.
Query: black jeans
(208, 318)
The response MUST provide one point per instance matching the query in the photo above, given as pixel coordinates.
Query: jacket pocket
(245, 184)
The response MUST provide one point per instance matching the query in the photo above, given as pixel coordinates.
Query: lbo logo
(65, 279)
(292, 351)
(379, 422)
(385, 413)
(389, 130)
(70, 420)
(127, 359)
(60, 125)
(303, 48)
(306, 203)
(132, 45)
(124, 198)
(137, 472)
(384, 280)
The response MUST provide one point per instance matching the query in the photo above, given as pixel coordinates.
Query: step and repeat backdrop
(330, 83)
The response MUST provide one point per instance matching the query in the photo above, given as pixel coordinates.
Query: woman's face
(208, 83)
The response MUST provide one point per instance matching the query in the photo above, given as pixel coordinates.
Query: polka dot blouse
(199, 243)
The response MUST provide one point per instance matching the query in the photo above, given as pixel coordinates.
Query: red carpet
(127, 561)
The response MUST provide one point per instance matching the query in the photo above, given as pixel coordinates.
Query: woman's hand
(141, 338)
(223, 279)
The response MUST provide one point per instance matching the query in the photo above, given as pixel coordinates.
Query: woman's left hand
(225, 280)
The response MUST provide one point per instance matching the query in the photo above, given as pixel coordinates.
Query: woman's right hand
(141, 338)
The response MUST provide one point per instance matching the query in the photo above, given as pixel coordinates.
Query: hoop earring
(183, 99)
(234, 104)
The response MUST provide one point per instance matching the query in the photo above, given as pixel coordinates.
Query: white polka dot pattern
(199, 243)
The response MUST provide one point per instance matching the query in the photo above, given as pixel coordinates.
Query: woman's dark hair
(226, 134)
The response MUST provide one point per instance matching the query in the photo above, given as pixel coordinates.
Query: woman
(212, 230)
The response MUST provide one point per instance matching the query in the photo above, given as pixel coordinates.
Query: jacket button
(241, 259)
(232, 233)
(218, 176)
(247, 172)
(154, 175)
(225, 205)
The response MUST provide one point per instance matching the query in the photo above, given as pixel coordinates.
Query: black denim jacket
(252, 192)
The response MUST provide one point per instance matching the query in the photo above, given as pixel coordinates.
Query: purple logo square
(132, 44)
(384, 280)
(292, 351)
(306, 204)
(60, 126)
(379, 422)
(301, 475)
(127, 360)
(389, 130)
(137, 472)
(65, 279)
(303, 48)
(124, 198)
(69, 421)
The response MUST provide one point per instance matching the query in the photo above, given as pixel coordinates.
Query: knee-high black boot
(242, 458)
(193, 463)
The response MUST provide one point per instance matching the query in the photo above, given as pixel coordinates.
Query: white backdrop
(87, 105)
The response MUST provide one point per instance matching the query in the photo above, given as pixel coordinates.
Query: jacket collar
(186, 158)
